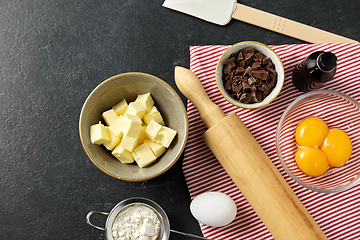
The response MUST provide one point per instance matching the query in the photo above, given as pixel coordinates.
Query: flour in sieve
(137, 222)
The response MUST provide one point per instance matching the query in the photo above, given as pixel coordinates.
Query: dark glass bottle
(317, 69)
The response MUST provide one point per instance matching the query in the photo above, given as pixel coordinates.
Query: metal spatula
(222, 11)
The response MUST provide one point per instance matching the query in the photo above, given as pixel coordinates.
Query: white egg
(213, 209)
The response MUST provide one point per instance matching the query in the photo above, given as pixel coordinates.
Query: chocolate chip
(241, 64)
(273, 77)
(271, 83)
(252, 80)
(249, 60)
(228, 86)
(265, 60)
(240, 56)
(230, 62)
(266, 93)
(253, 88)
(247, 71)
(237, 88)
(246, 87)
(249, 55)
(258, 56)
(256, 96)
(260, 74)
(240, 69)
(227, 69)
(248, 49)
(237, 80)
(264, 87)
(233, 55)
(245, 98)
(270, 65)
(255, 65)
(271, 70)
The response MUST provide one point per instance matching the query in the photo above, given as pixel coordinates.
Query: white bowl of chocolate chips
(250, 74)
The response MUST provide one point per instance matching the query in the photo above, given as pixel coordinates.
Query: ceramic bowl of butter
(250, 75)
(121, 114)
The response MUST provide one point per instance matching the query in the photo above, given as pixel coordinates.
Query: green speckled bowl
(129, 86)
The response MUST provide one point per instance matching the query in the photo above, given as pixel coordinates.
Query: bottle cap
(327, 61)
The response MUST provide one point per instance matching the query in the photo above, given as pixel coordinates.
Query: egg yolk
(311, 132)
(337, 147)
(312, 161)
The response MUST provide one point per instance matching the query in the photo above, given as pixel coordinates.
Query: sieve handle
(188, 234)
(88, 219)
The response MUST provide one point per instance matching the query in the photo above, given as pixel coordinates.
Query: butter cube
(165, 136)
(122, 155)
(152, 129)
(147, 100)
(156, 148)
(121, 107)
(143, 155)
(131, 125)
(153, 114)
(115, 127)
(142, 135)
(114, 140)
(109, 116)
(136, 108)
(128, 143)
(99, 134)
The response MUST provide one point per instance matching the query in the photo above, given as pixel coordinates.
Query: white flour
(137, 222)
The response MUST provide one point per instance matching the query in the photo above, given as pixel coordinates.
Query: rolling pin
(249, 167)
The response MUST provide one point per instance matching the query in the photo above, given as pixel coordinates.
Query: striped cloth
(338, 214)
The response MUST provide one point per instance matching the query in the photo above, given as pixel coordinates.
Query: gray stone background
(54, 52)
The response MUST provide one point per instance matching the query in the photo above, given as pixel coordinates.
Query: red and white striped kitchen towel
(338, 214)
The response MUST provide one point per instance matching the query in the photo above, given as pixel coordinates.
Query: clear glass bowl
(339, 111)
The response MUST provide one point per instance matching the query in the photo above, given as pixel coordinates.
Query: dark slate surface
(54, 52)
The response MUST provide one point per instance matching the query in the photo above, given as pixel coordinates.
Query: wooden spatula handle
(189, 84)
(286, 26)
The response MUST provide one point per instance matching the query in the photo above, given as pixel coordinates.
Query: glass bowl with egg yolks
(338, 111)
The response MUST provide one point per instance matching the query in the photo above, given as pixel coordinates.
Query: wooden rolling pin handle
(190, 85)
